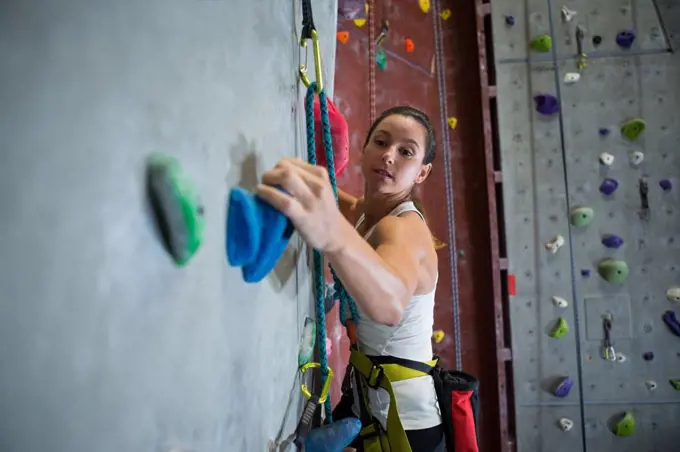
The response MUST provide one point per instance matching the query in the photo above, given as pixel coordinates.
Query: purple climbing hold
(563, 387)
(546, 104)
(585, 272)
(625, 38)
(648, 356)
(603, 131)
(608, 186)
(351, 9)
(672, 322)
(509, 21)
(665, 184)
(612, 241)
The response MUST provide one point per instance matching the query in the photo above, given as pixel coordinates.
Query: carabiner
(316, 48)
(326, 387)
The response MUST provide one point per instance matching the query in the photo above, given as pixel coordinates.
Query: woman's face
(392, 161)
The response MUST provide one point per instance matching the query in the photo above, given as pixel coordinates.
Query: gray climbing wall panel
(105, 345)
(551, 165)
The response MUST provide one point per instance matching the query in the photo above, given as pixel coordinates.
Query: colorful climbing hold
(424, 5)
(343, 36)
(452, 122)
(585, 272)
(636, 157)
(671, 322)
(438, 336)
(567, 14)
(581, 216)
(361, 21)
(606, 159)
(633, 128)
(612, 241)
(625, 38)
(597, 40)
(675, 382)
(673, 294)
(563, 387)
(560, 329)
(603, 131)
(542, 43)
(332, 437)
(408, 44)
(608, 186)
(651, 385)
(566, 424)
(626, 426)
(445, 14)
(546, 104)
(307, 342)
(350, 9)
(665, 184)
(648, 356)
(381, 59)
(555, 244)
(612, 270)
(571, 77)
(509, 20)
(621, 358)
(560, 302)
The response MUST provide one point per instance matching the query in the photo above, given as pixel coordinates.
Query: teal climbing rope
(319, 277)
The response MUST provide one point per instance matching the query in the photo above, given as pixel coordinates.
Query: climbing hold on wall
(343, 36)
(612, 241)
(438, 336)
(651, 385)
(546, 104)
(633, 128)
(424, 5)
(571, 77)
(625, 38)
(339, 137)
(648, 328)
(307, 342)
(329, 347)
(408, 44)
(665, 184)
(563, 387)
(560, 329)
(560, 302)
(384, 29)
(671, 322)
(585, 272)
(567, 14)
(581, 216)
(361, 21)
(597, 40)
(621, 358)
(332, 437)
(350, 9)
(555, 244)
(603, 131)
(452, 122)
(675, 382)
(566, 424)
(542, 43)
(608, 186)
(445, 14)
(626, 426)
(636, 157)
(613, 270)
(606, 159)
(509, 21)
(176, 206)
(673, 294)
(648, 356)
(381, 59)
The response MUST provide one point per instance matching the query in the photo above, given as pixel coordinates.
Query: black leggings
(425, 440)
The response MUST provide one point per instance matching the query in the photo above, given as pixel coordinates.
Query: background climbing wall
(105, 345)
(550, 166)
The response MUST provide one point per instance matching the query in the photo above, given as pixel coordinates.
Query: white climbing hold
(621, 358)
(673, 294)
(567, 14)
(560, 302)
(555, 244)
(571, 77)
(651, 384)
(606, 159)
(566, 424)
(636, 157)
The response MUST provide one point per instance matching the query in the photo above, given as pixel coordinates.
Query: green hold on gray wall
(614, 271)
(581, 216)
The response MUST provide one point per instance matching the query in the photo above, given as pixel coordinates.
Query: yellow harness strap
(383, 375)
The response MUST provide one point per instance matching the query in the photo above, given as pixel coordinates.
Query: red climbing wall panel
(409, 79)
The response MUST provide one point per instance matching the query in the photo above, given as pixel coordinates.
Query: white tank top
(410, 339)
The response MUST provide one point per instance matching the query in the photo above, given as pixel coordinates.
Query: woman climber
(386, 261)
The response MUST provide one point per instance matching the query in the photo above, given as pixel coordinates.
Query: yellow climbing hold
(453, 122)
(438, 336)
(445, 14)
(424, 5)
(361, 22)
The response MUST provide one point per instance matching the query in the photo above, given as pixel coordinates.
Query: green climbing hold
(675, 383)
(176, 205)
(614, 271)
(381, 59)
(560, 329)
(542, 43)
(626, 426)
(633, 128)
(581, 216)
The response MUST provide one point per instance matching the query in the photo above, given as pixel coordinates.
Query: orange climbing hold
(408, 43)
(343, 36)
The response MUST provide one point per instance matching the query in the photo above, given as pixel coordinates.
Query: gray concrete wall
(550, 165)
(104, 344)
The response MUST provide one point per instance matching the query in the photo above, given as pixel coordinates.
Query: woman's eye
(407, 152)
(380, 142)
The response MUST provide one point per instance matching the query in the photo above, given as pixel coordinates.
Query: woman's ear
(424, 172)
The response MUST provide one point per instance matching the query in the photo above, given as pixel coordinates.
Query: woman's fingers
(283, 202)
(292, 182)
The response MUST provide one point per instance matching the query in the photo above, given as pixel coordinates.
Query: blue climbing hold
(671, 322)
(546, 104)
(608, 186)
(563, 387)
(333, 437)
(257, 234)
(625, 38)
(603, 131)
(585, 272)
(665, 184)
(509, 21)
(648, 356)
(612, 241)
